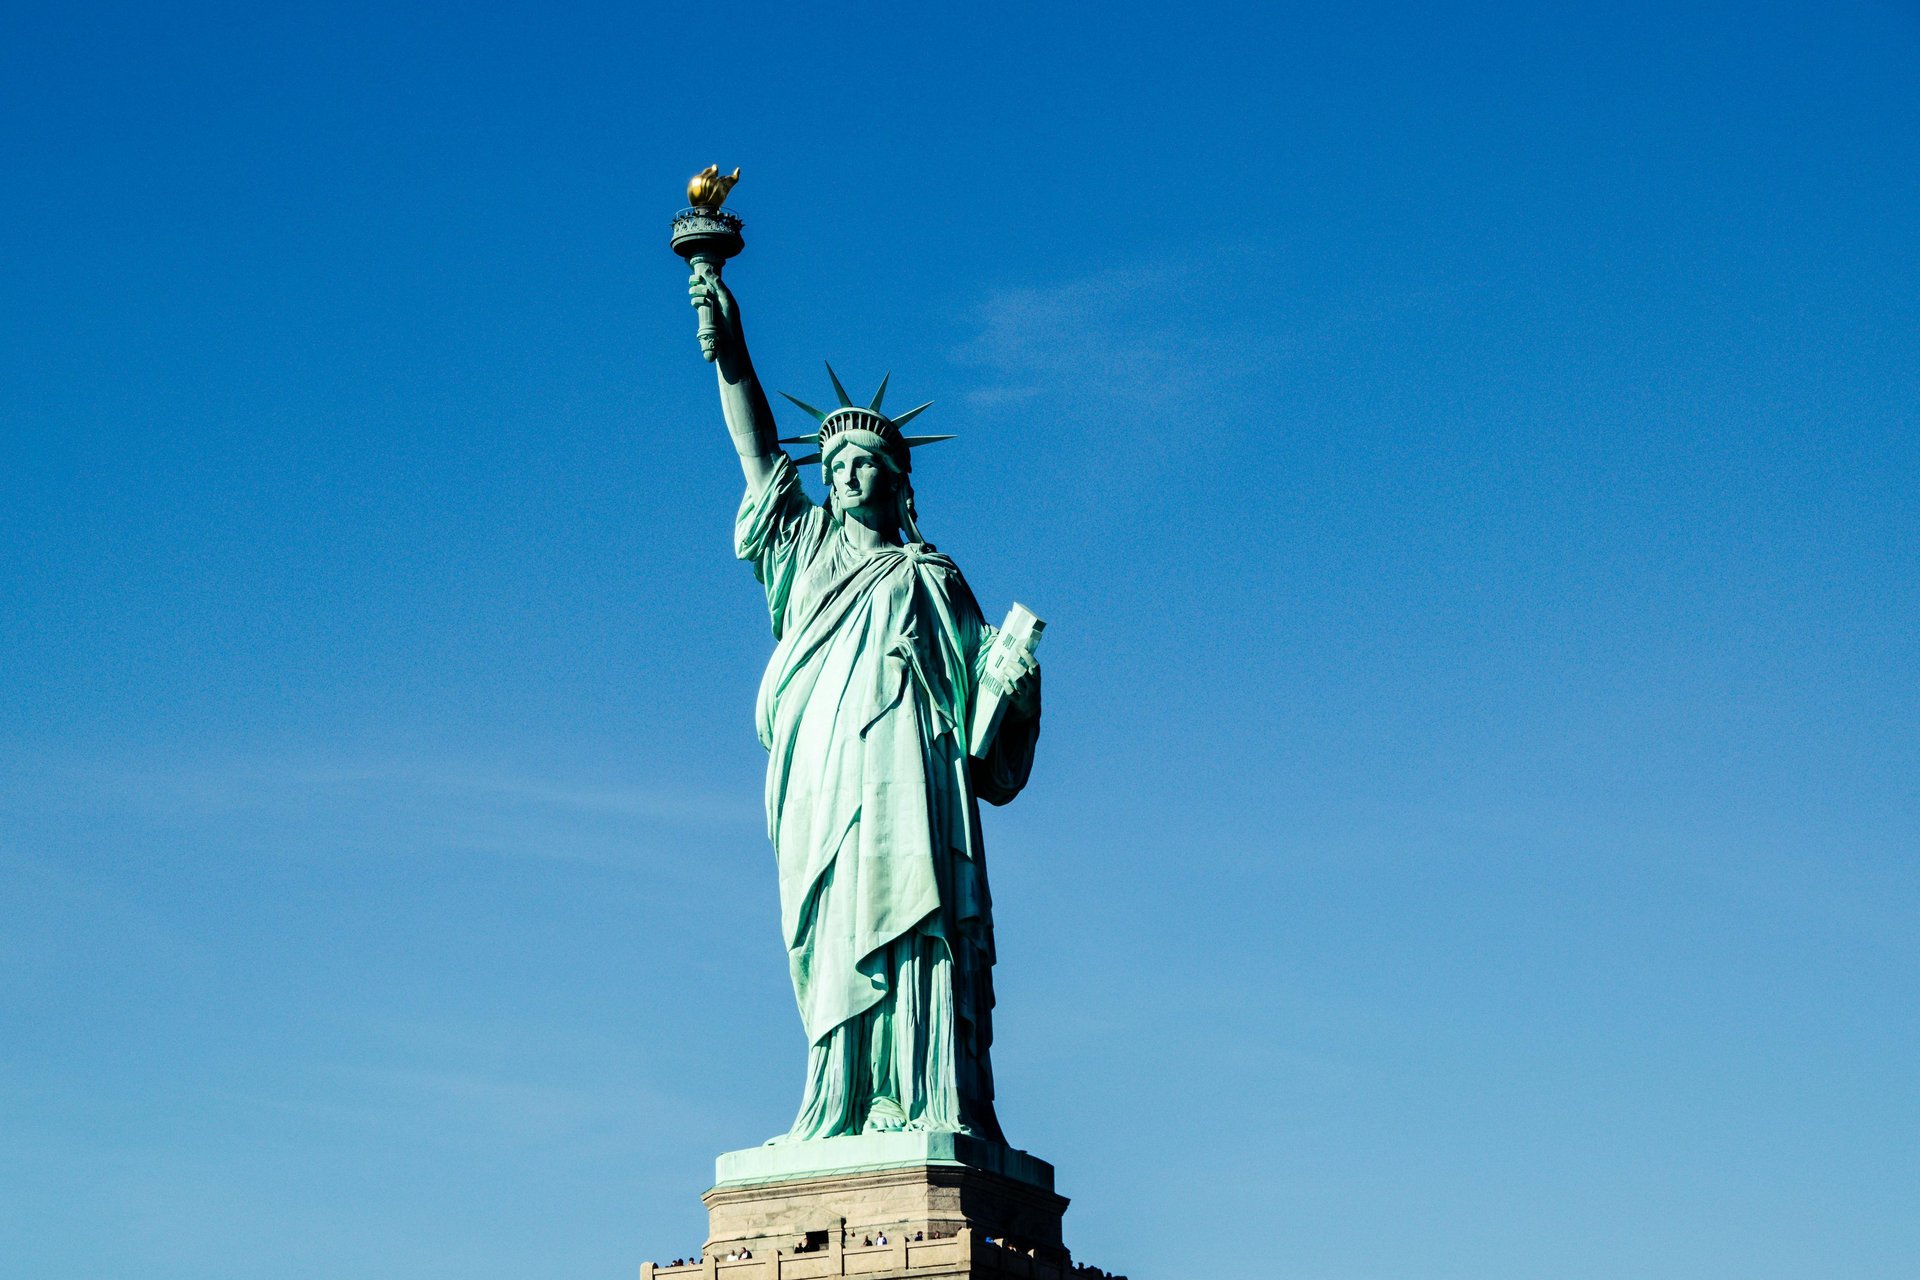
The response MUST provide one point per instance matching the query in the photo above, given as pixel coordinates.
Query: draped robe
(872, 810)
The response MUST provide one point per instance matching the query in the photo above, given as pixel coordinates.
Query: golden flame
(708, 188)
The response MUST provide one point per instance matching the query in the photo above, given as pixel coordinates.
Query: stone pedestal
(896, 1184)
(946, 1205)
(958, 1257)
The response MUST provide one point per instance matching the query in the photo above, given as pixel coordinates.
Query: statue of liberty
(872, 793)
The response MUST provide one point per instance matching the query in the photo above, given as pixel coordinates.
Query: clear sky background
(1466, 456)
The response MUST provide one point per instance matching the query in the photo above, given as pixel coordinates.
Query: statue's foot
(884, 1116)
(929, 1126)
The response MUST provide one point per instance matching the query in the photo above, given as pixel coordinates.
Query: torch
(707, 233)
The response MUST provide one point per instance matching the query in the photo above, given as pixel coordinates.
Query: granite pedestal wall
(819, 1208)
(957, 1257)
(899, 1184)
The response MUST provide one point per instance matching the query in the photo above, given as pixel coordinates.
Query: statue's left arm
(1002, 773)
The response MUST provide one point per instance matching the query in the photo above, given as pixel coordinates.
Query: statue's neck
(866, 532)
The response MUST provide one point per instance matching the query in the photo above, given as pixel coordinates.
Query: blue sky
(1465, 455)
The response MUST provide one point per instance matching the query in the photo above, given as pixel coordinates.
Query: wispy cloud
(1163, 337)
(514, 1102)
(1127, 334)
(394, 806)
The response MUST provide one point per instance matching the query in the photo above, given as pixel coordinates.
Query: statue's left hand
(1023, 693)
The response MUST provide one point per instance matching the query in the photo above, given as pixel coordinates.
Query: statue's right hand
(705, 288)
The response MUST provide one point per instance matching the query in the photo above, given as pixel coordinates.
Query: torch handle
(709, 325)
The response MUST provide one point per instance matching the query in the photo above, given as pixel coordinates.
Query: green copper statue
(872, 793)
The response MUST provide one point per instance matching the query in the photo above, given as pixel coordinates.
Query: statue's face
(861, 482)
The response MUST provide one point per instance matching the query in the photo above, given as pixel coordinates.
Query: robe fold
(872, 810)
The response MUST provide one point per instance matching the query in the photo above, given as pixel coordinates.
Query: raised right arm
(749, 416)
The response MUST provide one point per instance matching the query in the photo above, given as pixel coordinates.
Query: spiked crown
(868, 420)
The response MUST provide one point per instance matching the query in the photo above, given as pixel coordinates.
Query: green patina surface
(826, 1156)
(873, 788)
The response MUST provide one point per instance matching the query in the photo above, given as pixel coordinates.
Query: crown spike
(837, 388)
(810, 411)
(912, 413)
(881, 394)
(914, 442)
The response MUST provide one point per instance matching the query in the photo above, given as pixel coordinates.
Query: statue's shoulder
(942, 569)
(930, 557)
